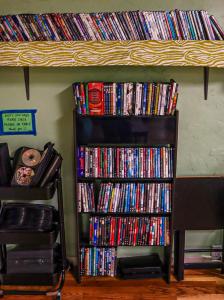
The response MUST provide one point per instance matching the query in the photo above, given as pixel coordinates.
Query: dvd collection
(129, 231)
(126, 25)
(117, 162)
(135, 197)
(98, 261)
(128, 98)
(126, 197)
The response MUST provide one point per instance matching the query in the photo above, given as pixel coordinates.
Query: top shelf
(113, 53)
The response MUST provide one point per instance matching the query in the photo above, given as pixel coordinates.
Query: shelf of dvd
(178, 38)
(125, 171)
(203, 53)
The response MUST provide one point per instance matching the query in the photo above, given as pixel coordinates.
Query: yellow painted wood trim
(110, 53)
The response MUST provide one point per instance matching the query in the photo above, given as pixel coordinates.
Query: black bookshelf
(123, 131)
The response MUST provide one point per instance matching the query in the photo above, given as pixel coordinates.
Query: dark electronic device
(38, 260)
(140, 266)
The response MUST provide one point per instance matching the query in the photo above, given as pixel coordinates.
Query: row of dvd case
(128, 98)
(112, 162)
(125, 197)
(129, 231)
(125, 25)
(98, 261)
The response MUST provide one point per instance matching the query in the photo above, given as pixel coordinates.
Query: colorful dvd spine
(134, 231)
(126, 25)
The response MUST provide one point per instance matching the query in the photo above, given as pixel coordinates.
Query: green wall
(201, 127)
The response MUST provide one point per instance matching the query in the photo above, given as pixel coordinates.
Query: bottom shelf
(204, 265)
(119, 277)
(103, 263)
(30, 279)
(201, 262)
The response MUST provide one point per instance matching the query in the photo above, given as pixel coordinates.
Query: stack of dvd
(135, 197)
(126, 162)
(126, 25)
(129, 231)
(139, 98)
(98, 261)
(86, 197)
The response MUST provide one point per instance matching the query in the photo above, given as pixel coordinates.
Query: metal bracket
(26, 72)
(206, 81)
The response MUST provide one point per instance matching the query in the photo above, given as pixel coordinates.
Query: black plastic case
(27, 260)
(140, 266)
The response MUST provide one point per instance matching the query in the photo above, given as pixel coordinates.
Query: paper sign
(18, 122)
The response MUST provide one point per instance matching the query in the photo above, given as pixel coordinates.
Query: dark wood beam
(26, 72)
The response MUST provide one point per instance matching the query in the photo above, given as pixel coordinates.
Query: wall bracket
(206, 81)
(26, 72)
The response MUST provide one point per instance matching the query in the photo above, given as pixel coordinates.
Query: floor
(198, 285)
